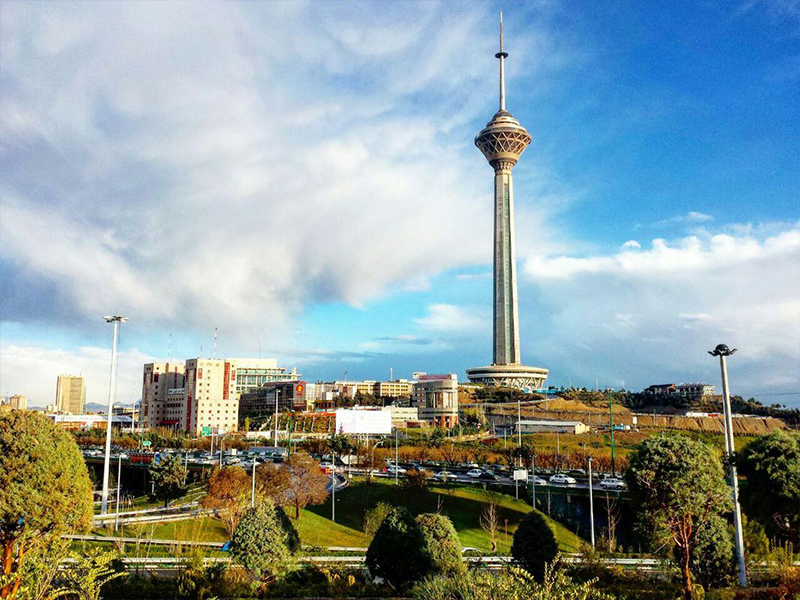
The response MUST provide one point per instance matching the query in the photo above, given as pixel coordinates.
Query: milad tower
(502, 142)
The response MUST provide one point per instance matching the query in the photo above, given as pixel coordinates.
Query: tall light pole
(253, 490)
(591, 503)
(277, 393)
(112, 389)
(723, 351)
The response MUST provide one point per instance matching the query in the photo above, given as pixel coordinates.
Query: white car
(561, 479)
(612, 483)
(537, 480)
(475, 473)
(444, 475)
(391, 470)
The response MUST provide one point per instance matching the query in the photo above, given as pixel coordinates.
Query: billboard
(351, 421)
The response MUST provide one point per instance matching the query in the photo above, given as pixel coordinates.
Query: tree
(271, 482)
(490, 522)
(375, 516)
(416, 480)
(677, 486)
(442, 542)
(89, 572)
(306, 483)
(771, 493)
(228, 491)
(265, 541)
(398, 552)
(534, 545)
(168, 479)
(713, 558)
(44, 492)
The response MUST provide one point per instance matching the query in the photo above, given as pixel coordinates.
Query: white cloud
(452, 319)
(652, 314)
(230, 163)
(33, 371)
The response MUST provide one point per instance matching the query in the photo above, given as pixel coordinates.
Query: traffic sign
(205, 431)
(147, 443)
(520, 474)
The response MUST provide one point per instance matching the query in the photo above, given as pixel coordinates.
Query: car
(612, 483)
(474, 466)
(391, 470)
(474, 473)
(444, 475)
(580, 472)
(488, 476)
(536, 480)
(561, 479)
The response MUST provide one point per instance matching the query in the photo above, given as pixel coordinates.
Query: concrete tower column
(506, 316)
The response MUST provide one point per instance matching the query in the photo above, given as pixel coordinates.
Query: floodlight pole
(396, 463)
(723, 351)
(591, 503)
(277, 393)
(253, 489)
(112, 384)
(119, 487)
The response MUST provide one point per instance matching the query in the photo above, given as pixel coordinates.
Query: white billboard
(351, 421)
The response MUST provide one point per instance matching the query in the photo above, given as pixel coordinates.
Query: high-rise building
(436, 397)
(18, 402)
(502, 142)
(204, 392)
(70, 394)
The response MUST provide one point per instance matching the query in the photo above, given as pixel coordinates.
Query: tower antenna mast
(502, 55)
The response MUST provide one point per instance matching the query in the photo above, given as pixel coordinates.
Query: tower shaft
(506, 316)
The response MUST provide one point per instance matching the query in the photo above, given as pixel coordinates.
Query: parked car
(475, 473)
(561, 479)
(612, 483)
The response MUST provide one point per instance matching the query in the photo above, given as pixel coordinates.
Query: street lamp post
(591, 503)
(253, 490)
(723, 351)
(277, 393)
(112, 385)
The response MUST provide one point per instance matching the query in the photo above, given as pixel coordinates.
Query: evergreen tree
(534, 545)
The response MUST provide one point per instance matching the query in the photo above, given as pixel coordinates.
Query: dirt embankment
(597, 416)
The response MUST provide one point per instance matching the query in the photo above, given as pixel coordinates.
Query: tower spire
(502, 55)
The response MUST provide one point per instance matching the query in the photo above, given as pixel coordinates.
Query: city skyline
(150, 162)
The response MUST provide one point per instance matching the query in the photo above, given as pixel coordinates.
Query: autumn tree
(271, 482)
(677, 486)
(44, 492)
(169, 480)
(305, 484)
(228, 491)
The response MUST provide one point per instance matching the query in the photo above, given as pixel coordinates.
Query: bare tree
(612, 514)
(490, 521)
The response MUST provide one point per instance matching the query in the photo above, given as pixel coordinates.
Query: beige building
(393, 389)
(18, 402)
(70, 394)
(436, 396)
(695, 391)
(204, 392)
(553, 426)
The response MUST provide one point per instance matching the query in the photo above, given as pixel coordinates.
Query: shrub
(534, 545)
(713, 558)
(443, 544)
(398, 552)
(375, 516)
(265, 541)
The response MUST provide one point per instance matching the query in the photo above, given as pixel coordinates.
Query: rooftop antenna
(215, 343)
(502, 55)
(391, 373)
(169, 348)
(345, 375)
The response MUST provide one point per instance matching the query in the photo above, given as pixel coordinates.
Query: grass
(462, 504)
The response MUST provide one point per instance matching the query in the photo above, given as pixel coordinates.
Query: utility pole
(591, 503)
(723, 351)
(396, 463)
(112, 390)
(253, 489)
(611, 424)
(533, 480)
(333, 487)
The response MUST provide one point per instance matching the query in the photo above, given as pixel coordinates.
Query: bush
(375, 516)
(713, 557)
(265, 541)
(398, 552)
(534, 545)
(443, 544)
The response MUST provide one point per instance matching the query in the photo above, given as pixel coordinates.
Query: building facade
(436, 397)
(18, 402)
(259, 405)
(203, 393)
(552, 426)
(70, 394)
(695, 391)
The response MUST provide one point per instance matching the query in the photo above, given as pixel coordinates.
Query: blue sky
(302, 176)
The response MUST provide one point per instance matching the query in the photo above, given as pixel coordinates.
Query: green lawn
(463, 504)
